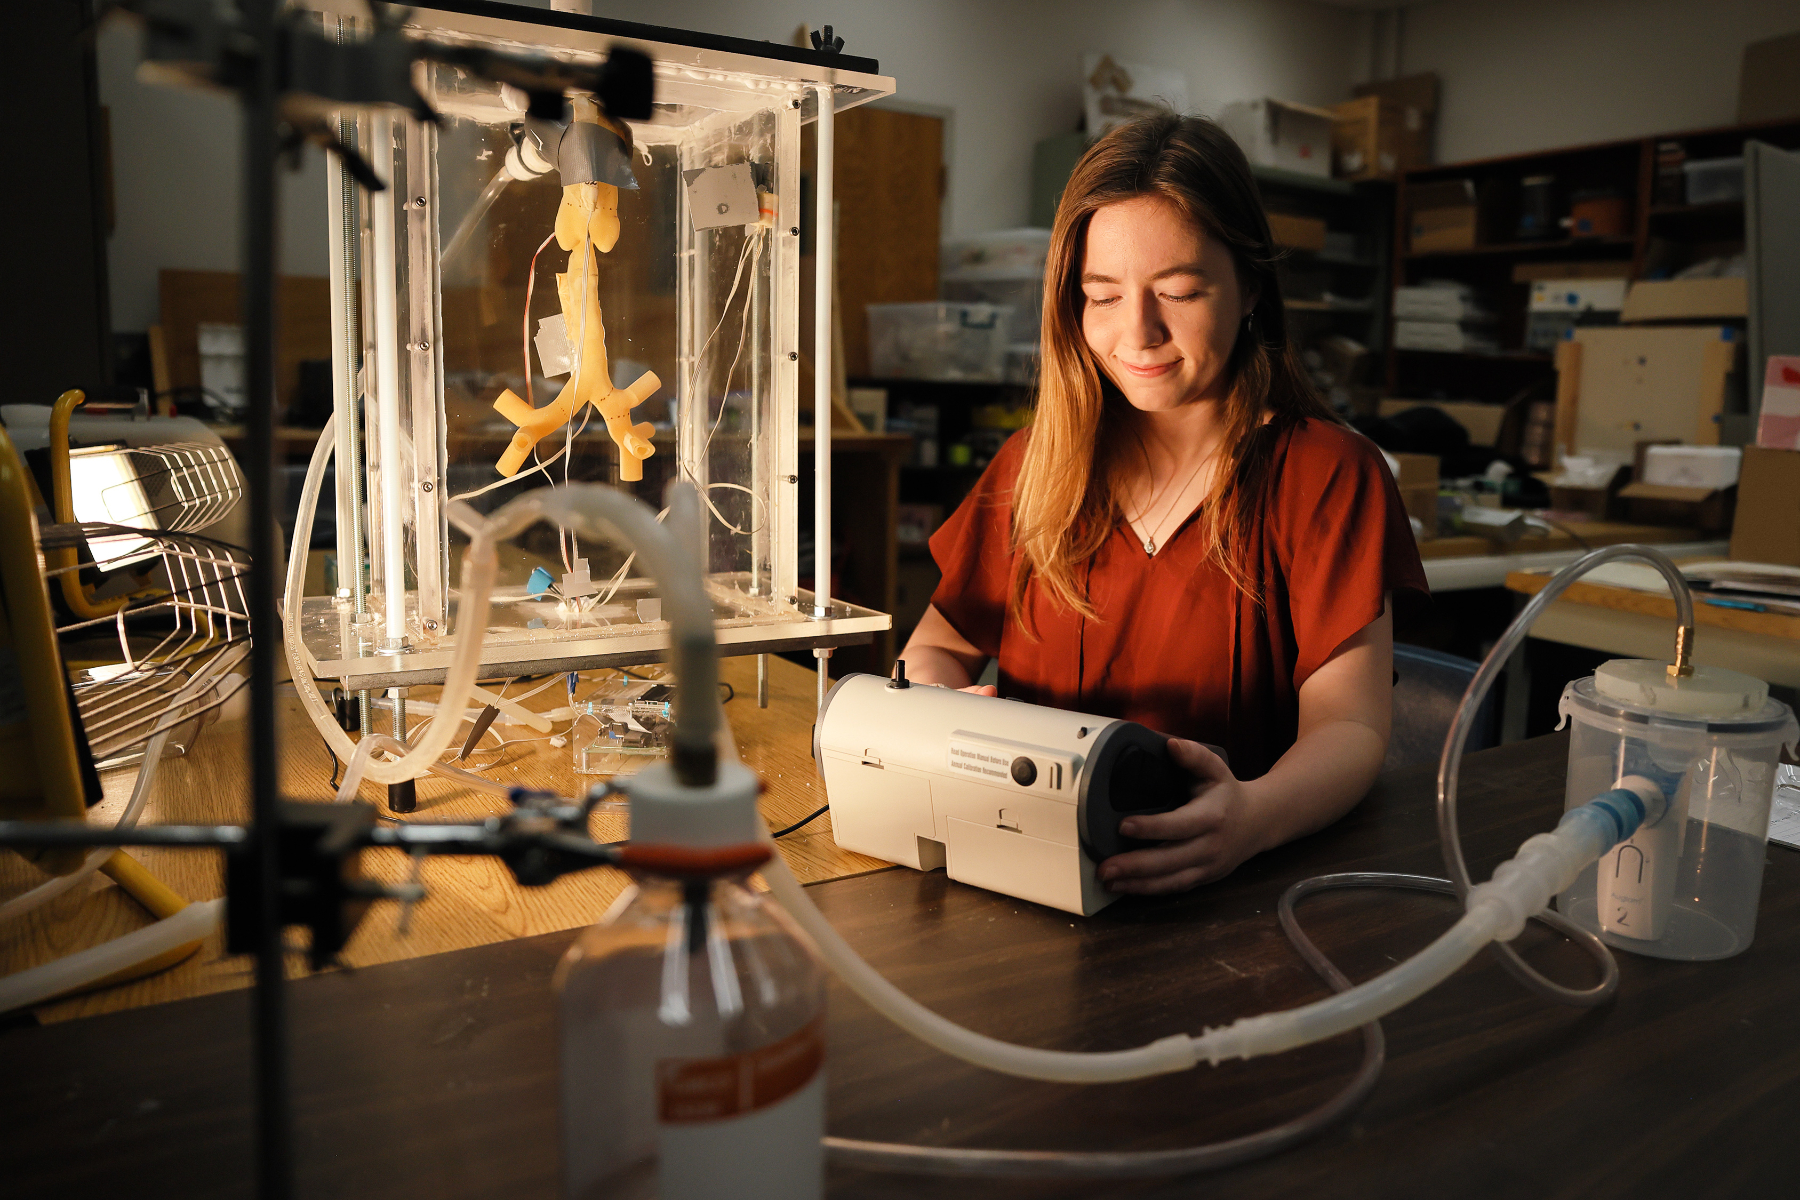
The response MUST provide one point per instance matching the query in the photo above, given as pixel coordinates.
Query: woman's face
(1162, 305)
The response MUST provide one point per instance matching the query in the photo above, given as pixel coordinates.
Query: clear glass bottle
(692, 1028)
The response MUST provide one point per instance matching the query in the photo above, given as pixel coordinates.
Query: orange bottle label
(690, 1090)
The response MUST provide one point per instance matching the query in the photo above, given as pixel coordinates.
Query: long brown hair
(1066, 501)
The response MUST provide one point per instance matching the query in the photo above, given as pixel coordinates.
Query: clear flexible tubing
(592, 509)
(1496, 912)
(140, 794)
(358, 763)
(480, 565)
(87, 967)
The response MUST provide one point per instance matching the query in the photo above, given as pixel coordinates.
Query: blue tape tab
(539, 583)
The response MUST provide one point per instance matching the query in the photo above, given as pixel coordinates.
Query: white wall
(176, 187)
(1009, 69)
(1532, 74)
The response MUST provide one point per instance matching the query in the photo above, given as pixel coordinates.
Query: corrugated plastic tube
(1497, 910)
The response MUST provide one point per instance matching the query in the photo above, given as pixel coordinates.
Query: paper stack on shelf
(1445, 316)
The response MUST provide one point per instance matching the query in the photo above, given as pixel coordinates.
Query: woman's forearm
(1319, 779)
(937, 654)
(935, 665)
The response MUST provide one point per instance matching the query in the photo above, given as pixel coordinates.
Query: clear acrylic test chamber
(440, 282)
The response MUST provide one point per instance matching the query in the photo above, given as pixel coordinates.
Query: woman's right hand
(981, 689)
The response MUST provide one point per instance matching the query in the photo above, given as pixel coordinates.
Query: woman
(1186, 536)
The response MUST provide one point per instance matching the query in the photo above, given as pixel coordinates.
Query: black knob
(899, 679)
(403, 797)
(1024, 771)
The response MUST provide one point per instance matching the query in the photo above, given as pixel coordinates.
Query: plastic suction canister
(1688, 887)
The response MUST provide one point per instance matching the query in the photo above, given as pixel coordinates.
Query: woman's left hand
(1206, 838)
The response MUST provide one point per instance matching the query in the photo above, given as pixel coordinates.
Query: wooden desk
(1637, 624)
(472, 901)
(436, 1077)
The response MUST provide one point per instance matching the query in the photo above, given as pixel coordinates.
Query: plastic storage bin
(1023, 294)
(1686, 887)
(1710, 180)
(1020, 252)
(939, 340)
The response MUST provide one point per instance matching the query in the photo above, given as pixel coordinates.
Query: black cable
(821, 811)
(335, 765)
(730, 695)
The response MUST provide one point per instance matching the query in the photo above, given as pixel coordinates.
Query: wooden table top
(1600, 595)
(471, 902)
(436, 1077)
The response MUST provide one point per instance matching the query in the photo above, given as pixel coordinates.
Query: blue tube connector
(1617, 814)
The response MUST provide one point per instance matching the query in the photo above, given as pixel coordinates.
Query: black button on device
(1024, 771)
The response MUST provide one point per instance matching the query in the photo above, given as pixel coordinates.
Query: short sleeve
(1343, 539)
(973, 550)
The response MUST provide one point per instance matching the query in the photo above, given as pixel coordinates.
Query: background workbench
(1633, 624)
(470, 902)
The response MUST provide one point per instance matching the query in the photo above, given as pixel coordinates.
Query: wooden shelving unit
(1662, 234)
(1329, 291)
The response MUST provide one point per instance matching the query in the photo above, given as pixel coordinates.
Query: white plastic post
(824, 279)
(387, 396)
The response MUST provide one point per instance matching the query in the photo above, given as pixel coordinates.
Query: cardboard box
(1603, 269)
(1374, 138)
(1628, 384)
(1685, 300)
(1690, 466)
(1769, 83)
(1768, 517)
(1443, 216)
(1702, 508)
(1559, 305)
(1415, 99)
(1275, 133)
(1299, 233)
(1778, 427)
(1417, 480)
(1417, 92)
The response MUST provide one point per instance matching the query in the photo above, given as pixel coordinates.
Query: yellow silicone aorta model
(586, 221)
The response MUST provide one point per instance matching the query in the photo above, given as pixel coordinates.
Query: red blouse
(1177, 647)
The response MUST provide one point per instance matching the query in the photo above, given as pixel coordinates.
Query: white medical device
(1004, 795)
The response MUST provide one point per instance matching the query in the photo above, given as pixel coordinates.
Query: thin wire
(525, 321)
(751, 243)
(543, 465)
(809, 818)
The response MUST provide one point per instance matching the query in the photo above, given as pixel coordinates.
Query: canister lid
(1708, 692)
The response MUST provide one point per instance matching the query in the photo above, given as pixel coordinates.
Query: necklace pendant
(1150, 546)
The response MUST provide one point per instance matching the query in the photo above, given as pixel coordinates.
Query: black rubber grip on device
(1128, 773)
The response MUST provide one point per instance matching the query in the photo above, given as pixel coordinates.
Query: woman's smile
(1151, 370)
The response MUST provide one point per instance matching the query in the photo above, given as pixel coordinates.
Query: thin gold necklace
(1150, 538)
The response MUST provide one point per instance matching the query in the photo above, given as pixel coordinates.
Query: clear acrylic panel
(467, 332)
